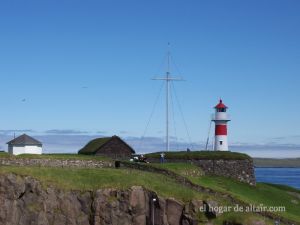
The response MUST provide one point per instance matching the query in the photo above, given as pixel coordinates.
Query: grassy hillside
(200, 155)
(92, 179)
(266, 194)
(266, 162)
(184, 169)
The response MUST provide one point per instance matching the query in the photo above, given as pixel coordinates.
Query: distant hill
(267, 162)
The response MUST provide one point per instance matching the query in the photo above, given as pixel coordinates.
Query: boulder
(174, 211)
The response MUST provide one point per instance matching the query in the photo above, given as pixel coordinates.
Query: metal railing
(220, 116)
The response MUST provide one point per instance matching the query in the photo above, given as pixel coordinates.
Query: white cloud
(70, 141)
(65, 132)
(16, 131)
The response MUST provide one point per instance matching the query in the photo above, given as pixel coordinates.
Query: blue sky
(73, 68)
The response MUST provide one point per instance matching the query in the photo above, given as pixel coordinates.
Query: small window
(221, 142)
(221, 110)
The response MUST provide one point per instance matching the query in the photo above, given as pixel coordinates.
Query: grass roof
(93, 145)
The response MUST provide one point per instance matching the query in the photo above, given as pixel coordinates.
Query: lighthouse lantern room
(220, 118)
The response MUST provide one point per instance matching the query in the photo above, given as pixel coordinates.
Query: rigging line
(207, 140)
(162, 63)
(151, 115)
(175, 65)
(173, 115)
(212, 142)
(180, 109)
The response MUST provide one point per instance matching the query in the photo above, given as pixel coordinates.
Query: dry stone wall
(55, 163)
(241, 170)
(238, 169)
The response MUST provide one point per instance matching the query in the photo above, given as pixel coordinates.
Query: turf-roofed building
(113, 147)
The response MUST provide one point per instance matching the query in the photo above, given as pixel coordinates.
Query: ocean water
(286, 176)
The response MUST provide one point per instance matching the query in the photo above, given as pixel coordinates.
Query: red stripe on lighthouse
(221, 130)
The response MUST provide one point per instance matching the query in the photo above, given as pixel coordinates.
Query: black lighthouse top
(221, 107)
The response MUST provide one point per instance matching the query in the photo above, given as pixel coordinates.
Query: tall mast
(168, 79)
(167, 102)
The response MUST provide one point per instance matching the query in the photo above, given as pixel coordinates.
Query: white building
(24, 144)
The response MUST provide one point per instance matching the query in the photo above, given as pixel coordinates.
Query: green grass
(93, 145)
(266, 194)
(54, 156)
(284, 187)
(92, 179)
(196, 155)
(184, 169)
(4, 155)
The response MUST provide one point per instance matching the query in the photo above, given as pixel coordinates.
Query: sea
(286, 176)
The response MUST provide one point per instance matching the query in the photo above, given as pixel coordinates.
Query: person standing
(162, 157)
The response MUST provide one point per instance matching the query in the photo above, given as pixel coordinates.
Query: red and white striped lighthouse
(221, 118)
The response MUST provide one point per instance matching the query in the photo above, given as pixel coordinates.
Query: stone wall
(241, 170)
(55, 163)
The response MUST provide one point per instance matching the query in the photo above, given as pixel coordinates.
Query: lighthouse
(220, 118)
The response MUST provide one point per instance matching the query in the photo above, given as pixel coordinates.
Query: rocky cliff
(24, 201)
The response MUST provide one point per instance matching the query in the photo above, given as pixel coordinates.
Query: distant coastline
(277, 163)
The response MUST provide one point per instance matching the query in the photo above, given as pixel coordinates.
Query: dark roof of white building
(24, 139)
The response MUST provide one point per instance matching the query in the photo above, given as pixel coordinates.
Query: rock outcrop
(25, 201)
